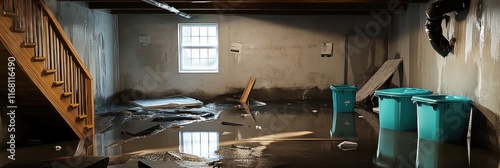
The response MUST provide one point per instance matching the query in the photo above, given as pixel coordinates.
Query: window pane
(186, 41)
(186, 53)
(195, 41)
(195, 63)
(186, 63)
(212, 63)
(212, 31)
(203, 53)
(203, 31)
(186, 31)
(204, 62)
(204, 41)
(195, 31)
(212, 41)
(195, 53)
(212, 53)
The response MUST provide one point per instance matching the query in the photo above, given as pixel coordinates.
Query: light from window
(202, 144)
(198, 48)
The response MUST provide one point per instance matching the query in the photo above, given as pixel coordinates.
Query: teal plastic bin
(442, 118)
(343, 98)
(396, 110)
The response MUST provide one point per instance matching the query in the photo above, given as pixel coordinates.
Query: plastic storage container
(396, 110)
(343, 98)
(442, 118)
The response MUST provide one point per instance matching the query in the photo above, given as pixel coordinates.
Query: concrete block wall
(283, 52)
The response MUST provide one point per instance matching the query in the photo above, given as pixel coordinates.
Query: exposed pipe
(435, 15)
(167, 7)
(346, 57)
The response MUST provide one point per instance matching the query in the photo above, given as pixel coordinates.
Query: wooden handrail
(67, 43)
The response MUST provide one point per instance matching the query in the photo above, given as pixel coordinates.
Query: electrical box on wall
(144, 40)
(326, 49)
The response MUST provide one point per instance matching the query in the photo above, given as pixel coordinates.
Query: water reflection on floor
(280, 134)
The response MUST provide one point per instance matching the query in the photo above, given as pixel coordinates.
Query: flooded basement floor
(279, 134)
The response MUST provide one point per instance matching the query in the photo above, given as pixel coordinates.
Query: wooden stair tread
(11, 14)
(19, 30)
(80, 117)
(49, 71)
(89, 126)
(74, 105)
(58, 83)
(67, 94)
(39, 58)
(30, 45)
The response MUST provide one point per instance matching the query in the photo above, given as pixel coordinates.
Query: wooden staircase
(30, 33)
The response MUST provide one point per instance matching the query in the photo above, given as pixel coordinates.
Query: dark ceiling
(298, 7)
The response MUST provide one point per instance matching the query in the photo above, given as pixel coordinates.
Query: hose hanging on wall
(435, 15)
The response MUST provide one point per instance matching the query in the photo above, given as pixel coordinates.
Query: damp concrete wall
(473, 70)
(94, 35)
(282, 52)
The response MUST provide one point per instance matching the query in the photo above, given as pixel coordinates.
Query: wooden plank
(247, 110)
(248, 89)
(379, 78)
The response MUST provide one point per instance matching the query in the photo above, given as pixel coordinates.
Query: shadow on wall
(484, 133)
(363, 61)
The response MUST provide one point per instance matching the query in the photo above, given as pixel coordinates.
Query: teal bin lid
(435, 99)
(402, 92)
(343, 87)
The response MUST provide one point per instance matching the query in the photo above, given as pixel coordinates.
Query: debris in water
(240, 147)
(258, 127)
(231, 123)
(57, 148)
(348, 145)
(256, 112)
(175, 118)
(244, 115)
(217, 164)
(361, 116)
(135, 109)
(289, 104)
(314, 111)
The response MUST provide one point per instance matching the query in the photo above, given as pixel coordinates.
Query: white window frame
(181, 47)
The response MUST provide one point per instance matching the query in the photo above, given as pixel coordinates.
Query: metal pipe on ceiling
(167, 7)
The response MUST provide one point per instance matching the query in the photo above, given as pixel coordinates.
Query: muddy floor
(271, 134)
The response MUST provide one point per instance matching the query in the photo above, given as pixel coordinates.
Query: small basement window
(198, 48)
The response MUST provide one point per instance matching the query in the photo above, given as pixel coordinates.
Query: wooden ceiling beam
(265, 1)
(247, 12)
(242, 6)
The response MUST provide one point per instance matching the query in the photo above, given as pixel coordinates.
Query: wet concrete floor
(279, 134)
